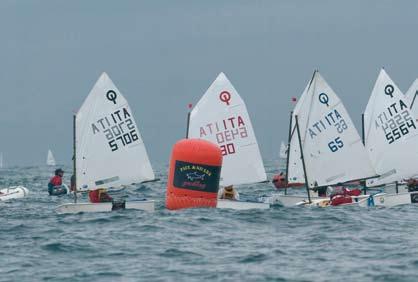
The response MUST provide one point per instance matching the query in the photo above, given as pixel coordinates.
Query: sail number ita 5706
(118, 128)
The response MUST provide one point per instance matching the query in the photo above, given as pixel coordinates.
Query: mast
(413, 100)
(288, 151)
(303, 159)
(363, 139)
(188, 121)
(74, 159)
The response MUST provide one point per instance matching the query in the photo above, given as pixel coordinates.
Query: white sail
(50, 160)
(283, 151)
(110, 152)
(391, 133)
(221, 117)
(412, 96)
(1, 160)
(332, 148)
(295, 166)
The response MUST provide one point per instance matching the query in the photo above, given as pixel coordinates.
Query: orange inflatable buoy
(193, 179)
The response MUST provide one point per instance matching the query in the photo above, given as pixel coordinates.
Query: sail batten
(110, 152)
(221, 117)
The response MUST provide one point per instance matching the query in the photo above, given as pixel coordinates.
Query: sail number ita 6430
(226, 133)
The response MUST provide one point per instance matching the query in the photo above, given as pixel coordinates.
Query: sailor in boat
(99, 195)
(55, 186)
(228, 193)
(322, 191)
(340, 195)
(412, 184)
(279, 180)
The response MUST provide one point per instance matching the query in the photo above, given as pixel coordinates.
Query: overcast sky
(164, 54)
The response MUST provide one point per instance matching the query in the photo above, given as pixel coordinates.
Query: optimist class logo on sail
(118, 127)
(225, 132)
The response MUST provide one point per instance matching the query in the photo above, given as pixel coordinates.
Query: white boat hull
(146, 205)
(325, 202)
(296, 200)
(390, 200)
(14, 192)
(241, 205)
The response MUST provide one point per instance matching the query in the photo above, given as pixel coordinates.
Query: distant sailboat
(325, 147)
(50, 160)
(109, 150)
(1, 160)
(221, 117)
(283, 151)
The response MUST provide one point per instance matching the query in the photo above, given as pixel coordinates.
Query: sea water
(280, 244)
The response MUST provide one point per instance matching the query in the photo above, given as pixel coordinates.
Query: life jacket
(229, 193)
(55, 181)
(340, 200)
(342, 195)
(99, 196)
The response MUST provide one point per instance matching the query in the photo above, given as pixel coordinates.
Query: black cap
(57, 171)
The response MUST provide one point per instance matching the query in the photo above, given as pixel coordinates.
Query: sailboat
(391, 139)
(50, 160)
(1, 160)
(108, 149)
(279, 180)
(282, 156)
(283, 151)
(221, 117)
(325, 148)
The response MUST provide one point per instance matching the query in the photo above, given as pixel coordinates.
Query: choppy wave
(280, 244)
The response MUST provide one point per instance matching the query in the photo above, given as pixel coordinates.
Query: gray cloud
(164, 54)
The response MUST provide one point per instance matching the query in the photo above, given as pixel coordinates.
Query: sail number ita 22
(118, 127)
(396, 121)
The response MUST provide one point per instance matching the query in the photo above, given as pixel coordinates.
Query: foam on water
(280, 244)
